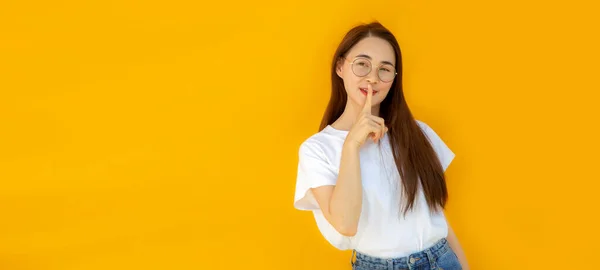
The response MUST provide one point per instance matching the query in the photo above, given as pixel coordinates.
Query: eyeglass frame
(371, 68)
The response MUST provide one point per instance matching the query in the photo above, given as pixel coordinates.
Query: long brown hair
(414, 156)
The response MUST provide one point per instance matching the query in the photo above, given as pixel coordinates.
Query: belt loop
(432, 263)
(352, 257)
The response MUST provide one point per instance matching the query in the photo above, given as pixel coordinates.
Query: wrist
(350, 146)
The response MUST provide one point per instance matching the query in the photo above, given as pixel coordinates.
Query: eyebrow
(369, 57)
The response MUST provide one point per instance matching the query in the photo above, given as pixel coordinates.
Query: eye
(362, 63)
(387, 68)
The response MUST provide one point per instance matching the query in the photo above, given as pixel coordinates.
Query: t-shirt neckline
(330, 127)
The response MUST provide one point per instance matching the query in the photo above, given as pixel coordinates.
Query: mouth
(365, 91)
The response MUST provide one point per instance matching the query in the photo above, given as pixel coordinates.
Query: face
(370, 61)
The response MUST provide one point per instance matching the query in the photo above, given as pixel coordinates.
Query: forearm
(346, 199)
(456, 247)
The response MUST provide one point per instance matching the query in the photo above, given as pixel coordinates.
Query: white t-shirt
(382, 232)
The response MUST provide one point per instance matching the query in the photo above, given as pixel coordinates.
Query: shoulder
(442, 150)
(312, 147)
(315, 144)
(323, 144)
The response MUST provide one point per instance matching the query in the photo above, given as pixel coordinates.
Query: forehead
(378, 49)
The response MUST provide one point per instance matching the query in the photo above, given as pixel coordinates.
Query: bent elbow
(348, 231)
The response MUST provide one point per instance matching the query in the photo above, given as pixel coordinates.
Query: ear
(338, 67)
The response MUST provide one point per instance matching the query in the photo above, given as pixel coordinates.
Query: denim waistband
(416, 259)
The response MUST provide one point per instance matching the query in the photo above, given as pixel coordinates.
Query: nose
(372, 80)
(372, 77)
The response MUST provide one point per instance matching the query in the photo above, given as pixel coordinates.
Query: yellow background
(164, 135)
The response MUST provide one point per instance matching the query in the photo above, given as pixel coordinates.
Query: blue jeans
(439, 256)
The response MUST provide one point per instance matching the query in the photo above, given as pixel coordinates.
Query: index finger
(367, 107)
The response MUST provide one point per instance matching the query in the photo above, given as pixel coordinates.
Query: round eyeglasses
(362, 67)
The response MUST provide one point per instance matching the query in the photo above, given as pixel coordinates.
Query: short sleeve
(314, 170)
(443, 152)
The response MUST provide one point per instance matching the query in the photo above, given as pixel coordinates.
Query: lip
(364, 90)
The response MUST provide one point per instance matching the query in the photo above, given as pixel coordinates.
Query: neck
(350, 114)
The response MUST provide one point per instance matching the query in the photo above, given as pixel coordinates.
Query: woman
(373, 176)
